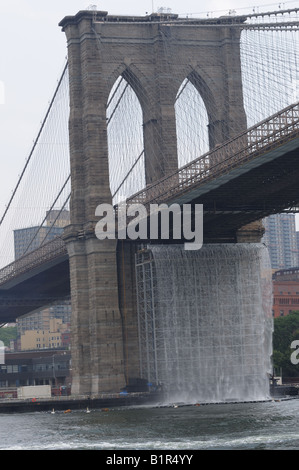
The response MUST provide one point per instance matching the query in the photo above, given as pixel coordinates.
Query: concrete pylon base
(96, 324)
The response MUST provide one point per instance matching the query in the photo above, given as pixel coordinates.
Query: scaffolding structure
(204, 320)
(146, 283)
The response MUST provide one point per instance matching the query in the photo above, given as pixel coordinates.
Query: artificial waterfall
(205, 321)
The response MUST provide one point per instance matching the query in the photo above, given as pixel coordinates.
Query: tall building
(26, 240)
(30, 238)
(281, 239)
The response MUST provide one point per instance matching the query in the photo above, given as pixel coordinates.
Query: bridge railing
(47, 252)
(278, 128)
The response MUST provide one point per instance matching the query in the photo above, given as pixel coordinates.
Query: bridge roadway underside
(248, 192)
(267, 189)
(39, 288)
(266, 185)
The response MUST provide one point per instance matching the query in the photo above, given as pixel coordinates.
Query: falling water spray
(209, 331)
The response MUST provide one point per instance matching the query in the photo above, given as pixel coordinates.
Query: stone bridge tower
(154, 54)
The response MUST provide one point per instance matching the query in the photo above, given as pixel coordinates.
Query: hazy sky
(32, 55)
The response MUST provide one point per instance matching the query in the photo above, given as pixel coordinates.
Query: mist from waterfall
(213, 323)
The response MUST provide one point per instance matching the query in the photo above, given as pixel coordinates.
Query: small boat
(53, 412)
(87, 410)
(67, 411)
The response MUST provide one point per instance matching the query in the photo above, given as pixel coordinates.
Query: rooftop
(102, 16)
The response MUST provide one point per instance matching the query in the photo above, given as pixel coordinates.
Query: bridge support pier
(251, 233)
(128, 308)
(97, 336)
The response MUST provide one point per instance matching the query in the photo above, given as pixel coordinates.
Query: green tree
(8, 334)
(286, 330)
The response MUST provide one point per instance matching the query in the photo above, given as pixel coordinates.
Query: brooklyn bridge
(169, 111)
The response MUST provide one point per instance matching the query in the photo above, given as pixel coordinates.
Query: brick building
(285, 291)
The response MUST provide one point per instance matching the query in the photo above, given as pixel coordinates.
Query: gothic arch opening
(125, 141)
(192, 123)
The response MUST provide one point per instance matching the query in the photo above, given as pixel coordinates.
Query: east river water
(272, 425)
